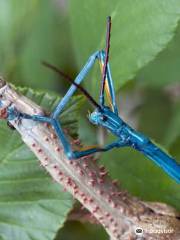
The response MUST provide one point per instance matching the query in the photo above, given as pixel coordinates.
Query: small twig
(115, 209)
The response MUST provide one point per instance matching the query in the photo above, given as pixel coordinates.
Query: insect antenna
(108, 36)
(67, 77)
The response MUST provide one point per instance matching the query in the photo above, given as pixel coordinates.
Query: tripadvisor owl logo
(139, 231)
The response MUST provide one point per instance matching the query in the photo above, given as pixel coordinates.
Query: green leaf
(155, 108)
(32, 206)
(140, 30)
(165, 68)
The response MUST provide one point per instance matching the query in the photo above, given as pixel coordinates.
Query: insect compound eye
(103, 118)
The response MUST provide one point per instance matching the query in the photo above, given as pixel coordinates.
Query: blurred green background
(145, 62)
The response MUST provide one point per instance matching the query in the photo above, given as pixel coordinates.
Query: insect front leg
(71, 154)
(80, 77)
(14, 114)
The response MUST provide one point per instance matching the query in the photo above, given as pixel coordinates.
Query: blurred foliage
(74, 230)
(173, 131)
(175, 148)
(165, 68)
(65, 34)
(32, 31)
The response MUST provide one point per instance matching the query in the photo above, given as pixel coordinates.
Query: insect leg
(71, 154)
(13, 113)
(109, 87)
(73, 88)
(37, 118)
(116, 144)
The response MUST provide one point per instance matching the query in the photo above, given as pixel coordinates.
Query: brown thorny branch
(118, 212)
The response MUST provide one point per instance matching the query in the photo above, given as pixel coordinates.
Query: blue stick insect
(104, 116)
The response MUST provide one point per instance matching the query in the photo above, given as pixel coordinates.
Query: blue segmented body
(127, 136)
(104, 116)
